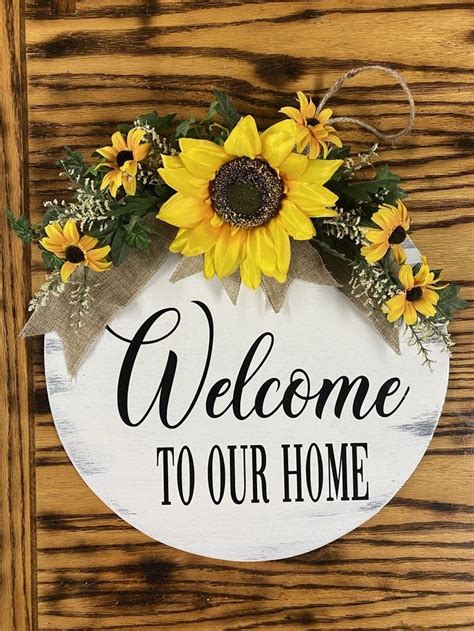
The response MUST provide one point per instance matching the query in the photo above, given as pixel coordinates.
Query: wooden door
(71, 69)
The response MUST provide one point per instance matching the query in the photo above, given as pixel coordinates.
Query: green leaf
(339, 153)
(51, 261)
(155, 121)
(118, 247)
(21, 227)
(384, 181)
(183, 129)
(224, 106)
(449, 301)
(138, 235)
(124, 128)
(134, 206)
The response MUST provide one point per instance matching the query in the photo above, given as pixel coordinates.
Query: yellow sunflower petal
(406, 276)
(312, 198)
(141, 152)
(335, 140)
(55, 233)
(180, 240)
(71, 232)
(425, 305)
(171, 162)
(262, 248)
(108, 180)
(52, 246)
(278, 142)
(395, 307)
(386, 217)
(297, 224)
(228, 251)
(202, 238)
(202, 158)
(182, 181)
(98, 253)
(320, 171)
(324, 115)
(244, 139)
(303, 137)
(409, 314)
(130, 167)
(116, 182)
(184, 212)
(399, 253)
(134, 138)
(208, 268)
(292, 113)
(129, 184)
(374, 235)
(118, 142)
(87, 243)
(424, 275)
(99, 266)
(303, 101)
(282, 247)
(374, 252)
(109, 153)
(293, 166)
(67, 269)
(250, 273)
(315, 148)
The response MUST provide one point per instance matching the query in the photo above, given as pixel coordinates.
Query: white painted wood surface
(319, 331)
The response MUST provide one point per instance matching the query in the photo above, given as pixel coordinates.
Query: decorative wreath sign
(275, 397)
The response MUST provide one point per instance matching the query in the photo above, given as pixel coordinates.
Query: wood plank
(17, 594)
(411, 565)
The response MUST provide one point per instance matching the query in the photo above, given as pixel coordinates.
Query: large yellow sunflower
(239, 204)
(393, 225)
(123, 158)
(419, 295)
(314, 131)
(66, 242)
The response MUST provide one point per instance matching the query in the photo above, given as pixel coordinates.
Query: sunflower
(123, 157)
(238, 204)
(419, 295)
(313, 128)
(75, 250)
(393, 225)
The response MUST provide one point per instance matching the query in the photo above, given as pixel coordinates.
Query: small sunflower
(393, 225)
(313, 129)
(240, 203)
(75, 250)
(419, 295)
(123, 157)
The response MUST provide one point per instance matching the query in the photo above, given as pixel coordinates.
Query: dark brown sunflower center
(74, 254)
(123, 156)
(312, 121)
(398, 236)
(246, 192)
(414, 294)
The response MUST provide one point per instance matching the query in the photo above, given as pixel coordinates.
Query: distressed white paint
(318, 330)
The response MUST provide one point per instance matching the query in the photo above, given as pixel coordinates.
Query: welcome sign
(241, 434)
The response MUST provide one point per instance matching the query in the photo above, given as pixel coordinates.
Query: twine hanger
(384, 137)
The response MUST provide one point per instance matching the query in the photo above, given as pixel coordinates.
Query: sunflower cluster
(239, 197)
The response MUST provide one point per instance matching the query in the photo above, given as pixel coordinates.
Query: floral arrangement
(239, 199)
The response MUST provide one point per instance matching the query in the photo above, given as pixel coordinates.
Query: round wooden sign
(241, 434)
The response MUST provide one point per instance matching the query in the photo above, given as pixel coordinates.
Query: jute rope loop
(384, 137)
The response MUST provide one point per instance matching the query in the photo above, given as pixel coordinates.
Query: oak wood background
(70, 71)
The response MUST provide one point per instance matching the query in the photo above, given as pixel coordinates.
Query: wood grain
(17, 593)
(411, 566)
